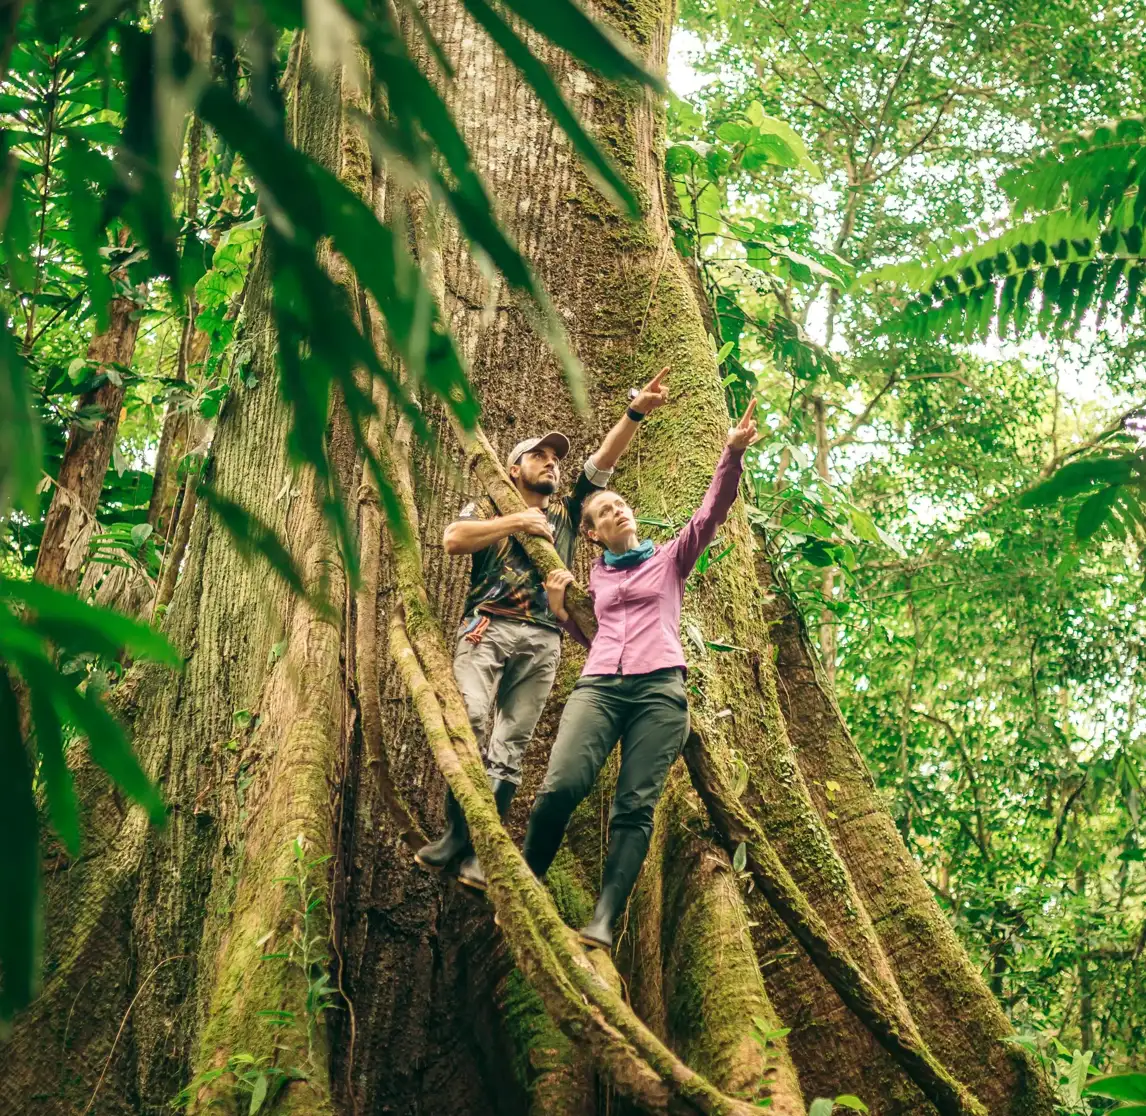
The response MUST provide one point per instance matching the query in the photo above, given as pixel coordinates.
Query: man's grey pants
(511, 670)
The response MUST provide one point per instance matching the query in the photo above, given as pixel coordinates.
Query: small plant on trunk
(256, 1081)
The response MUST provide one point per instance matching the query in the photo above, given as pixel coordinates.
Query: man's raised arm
(647, 400)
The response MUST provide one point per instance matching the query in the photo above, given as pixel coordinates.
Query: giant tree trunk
(287, 722)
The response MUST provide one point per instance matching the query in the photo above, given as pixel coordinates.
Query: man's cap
(555, 439)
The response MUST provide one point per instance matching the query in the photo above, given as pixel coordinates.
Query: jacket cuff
(597, 477)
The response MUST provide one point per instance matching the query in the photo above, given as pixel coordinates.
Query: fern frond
(1080, 213)
(1089, 172)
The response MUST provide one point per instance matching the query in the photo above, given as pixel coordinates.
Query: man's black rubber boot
(627, 849)
(470, 873)
(453, 845)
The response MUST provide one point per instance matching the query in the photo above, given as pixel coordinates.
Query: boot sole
(593, 943)
(473, 885)
(440, 869)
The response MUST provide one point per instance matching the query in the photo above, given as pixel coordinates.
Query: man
(509, 641)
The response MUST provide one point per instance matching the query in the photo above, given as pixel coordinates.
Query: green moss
(570, 890)
(713, 988)
(260, 990)
(537, 1043)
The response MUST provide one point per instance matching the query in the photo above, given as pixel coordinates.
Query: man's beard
(544, 487)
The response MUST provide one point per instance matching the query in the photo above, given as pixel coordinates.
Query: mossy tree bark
(627, 302)
(71, 517)
(286, 722)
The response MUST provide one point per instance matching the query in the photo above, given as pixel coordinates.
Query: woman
(632, 687)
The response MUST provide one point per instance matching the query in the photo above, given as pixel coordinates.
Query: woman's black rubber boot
(627, 849)
(470, 873)
(547, 824)
(453, 845)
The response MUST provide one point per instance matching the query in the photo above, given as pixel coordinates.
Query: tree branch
(982, 838)
(908, 59)
(849, 435)
(1060, 826)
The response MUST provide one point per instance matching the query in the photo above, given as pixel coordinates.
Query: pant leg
(652, 736)
(526, 681)
(590, 726)
(478, 670)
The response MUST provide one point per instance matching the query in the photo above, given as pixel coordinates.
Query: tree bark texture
(71, 515)
(288, 722)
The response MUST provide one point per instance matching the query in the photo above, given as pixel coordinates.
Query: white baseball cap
(554, 439)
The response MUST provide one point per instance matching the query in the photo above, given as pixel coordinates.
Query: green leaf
(20, 864)
(43, 682)
(534, 71)
(821, 1106)
(1118, 1086)
(740, 857)
(731, 132)
(725, 349)
(770, 126)
(742, 773)
(847, 1100)
(1076, 477)
(20, 448)
(111, 751)
(680, 157)
(818, 555)
(79, 627)
(1076, 1074)
(258, 1094)
(1095, 512)
(590, 41)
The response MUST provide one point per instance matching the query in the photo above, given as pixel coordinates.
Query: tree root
(951, 1005)
(896, 1035)
(559, 1082)
(366, 643)
(718, 1012)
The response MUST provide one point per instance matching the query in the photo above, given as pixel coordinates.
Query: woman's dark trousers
(648, 713)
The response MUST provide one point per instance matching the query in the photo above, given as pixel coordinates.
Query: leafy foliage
(1120, 1087)
(1082, 251)
(985, 657)
(741, 258)
(1106, 489)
